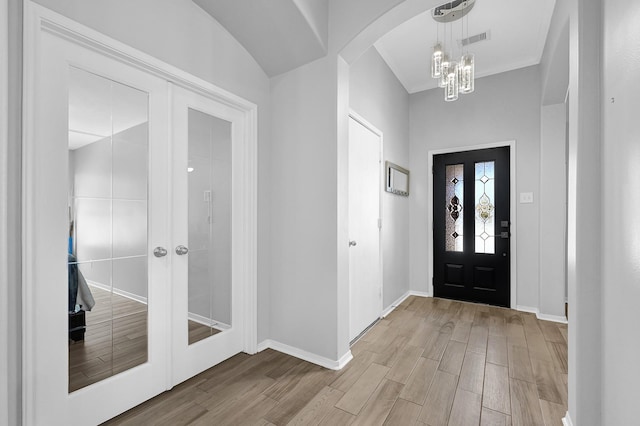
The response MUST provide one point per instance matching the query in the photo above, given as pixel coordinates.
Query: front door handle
(181, 250)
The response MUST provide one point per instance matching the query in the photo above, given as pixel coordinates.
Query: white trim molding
(201, 319)
(126, 294)
(543, 317)
(394, 305)
(512, 208)
(401, 299)
(5, 322)
(306, 356)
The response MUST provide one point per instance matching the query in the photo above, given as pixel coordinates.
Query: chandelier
(456, 77)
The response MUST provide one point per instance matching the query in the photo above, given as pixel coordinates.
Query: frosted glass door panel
(209, 181)
(108, 265)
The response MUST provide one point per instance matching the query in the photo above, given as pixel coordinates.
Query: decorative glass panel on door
(108, 178)
(209, 251)
(454, 214)
(485, 209)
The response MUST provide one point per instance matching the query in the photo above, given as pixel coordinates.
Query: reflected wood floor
(198, 331)
(115, 339)
(430, 362)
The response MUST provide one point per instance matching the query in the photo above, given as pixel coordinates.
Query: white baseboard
(554, 318)
(263, 345)
(401, 299)
(395, 304)
(306, 356)
(527, 309)
(119, 292)
(208, 322)
(566, 420)
(544, 317)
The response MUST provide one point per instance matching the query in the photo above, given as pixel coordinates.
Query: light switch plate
(526, 197)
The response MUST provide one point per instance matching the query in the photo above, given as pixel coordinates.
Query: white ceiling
(518, 31)
(280, 34)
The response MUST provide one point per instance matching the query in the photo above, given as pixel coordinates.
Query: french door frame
(512, 207)
(38, 21)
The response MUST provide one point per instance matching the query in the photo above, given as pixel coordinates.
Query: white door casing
(365, 282)
(52, 44)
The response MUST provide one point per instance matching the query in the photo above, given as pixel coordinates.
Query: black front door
(471, 226)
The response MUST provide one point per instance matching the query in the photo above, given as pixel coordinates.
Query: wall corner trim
(306, 356)
(566, 420)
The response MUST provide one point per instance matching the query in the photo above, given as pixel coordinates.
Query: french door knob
(181, 250)
(159, 252)
(352, 243)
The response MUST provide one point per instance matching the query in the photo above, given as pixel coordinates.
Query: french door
(207, 222)
(96, 207)
(139, 226)
(471, 222)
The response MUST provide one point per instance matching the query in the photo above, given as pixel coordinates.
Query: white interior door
(95, 171)
(166, 248)
(208, 176)
(365, 283)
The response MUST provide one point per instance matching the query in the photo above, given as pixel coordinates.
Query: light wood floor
(115, 339)
(430, 362)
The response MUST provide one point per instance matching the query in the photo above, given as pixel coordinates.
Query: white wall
(377, 95)
(584, 231)
(553, 211)
(12, 216)
(4, 240)
(503, 107)
(620, 203)
(554, 66)
(110, 211)
(304, 293)
(181, 34)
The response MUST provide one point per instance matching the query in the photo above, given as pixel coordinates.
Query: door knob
(159, 252)
(181, 250)
(352, 243)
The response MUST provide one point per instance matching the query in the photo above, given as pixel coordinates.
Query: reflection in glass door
(208, 232)
(209, 255)
(107, 252)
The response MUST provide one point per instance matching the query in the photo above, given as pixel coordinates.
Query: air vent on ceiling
(475, 39)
